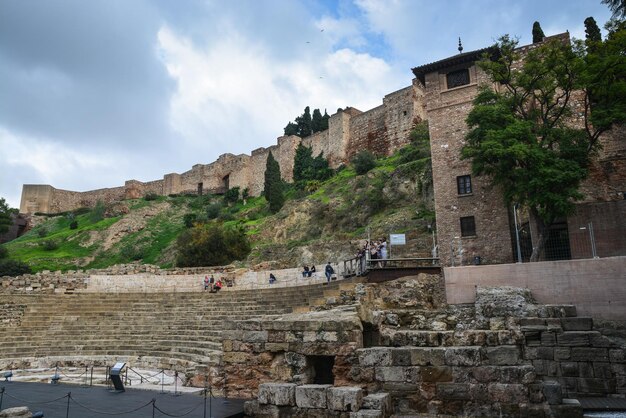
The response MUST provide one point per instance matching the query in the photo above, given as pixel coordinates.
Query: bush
(151, 196)
(363, 162)
(42, 232)
(231, 195)
(97, 213)
(189, 219)
(50, 245)
(213, 210)
(13, 268)
(211, 245)
(3, 252)
(74, 224)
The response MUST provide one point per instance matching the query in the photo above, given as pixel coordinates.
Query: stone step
(420, 338)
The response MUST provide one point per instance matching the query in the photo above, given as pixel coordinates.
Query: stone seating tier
(181, 331)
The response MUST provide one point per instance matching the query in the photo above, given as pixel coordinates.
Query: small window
(468, 226)
(458, 78)
(404, 113)
(464, 184)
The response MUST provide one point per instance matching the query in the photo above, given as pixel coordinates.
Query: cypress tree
(537, 33)
(592, 31)
(325, 120)
(273, 189)
(304, 123)
(301, 162)
(291, 129)
(316, 122)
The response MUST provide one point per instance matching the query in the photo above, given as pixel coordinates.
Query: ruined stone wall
(446, 111)
(47, 199)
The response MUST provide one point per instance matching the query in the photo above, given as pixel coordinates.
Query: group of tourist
(212, 285)
(308, 271)
(373, 250)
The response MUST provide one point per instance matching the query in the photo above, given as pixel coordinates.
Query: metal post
(519, 248)
(153, 406)
(204, 414)
(210, 403)
(593, 241)
(452, 252)
(1, 397)
(69, 396)
(162, 380)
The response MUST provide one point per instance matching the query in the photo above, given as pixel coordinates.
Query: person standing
(329, 272)
(206, 282)
(383, 251)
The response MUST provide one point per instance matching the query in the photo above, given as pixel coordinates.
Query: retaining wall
(596, 286)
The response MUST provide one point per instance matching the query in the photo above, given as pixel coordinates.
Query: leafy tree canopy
(211, 245)
(305, 124)
(525, 134)
(5, 216)
(306, 168)
(618, 7)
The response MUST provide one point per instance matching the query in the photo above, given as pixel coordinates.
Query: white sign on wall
(397, 239)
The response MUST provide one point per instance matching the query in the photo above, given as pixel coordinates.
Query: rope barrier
(181, 415)
(109, 413)
(33, 402)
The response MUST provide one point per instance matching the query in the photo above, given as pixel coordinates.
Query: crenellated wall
(381, 130)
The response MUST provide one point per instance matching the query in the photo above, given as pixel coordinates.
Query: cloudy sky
(93, 93)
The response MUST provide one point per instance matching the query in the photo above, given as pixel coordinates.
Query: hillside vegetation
(320, 221)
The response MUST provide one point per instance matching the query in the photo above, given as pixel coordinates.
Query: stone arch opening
(321, 368)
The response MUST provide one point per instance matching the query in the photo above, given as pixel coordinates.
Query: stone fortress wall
(382, 130)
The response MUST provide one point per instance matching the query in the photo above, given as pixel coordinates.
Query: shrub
(3, 252)
(42, 232)
(211, 245)
(189, 219)
(363, 162)
(97, 213)
(74, 224)
(213, 210)
(50, 245)
(151, 196)
(13, 268)
(231, 195)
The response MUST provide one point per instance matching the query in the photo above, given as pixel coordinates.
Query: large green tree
(618, 7)
(525, 133)
(306, 167)
(6, 213)
(211, 245)
(273, 186)
(538, 34)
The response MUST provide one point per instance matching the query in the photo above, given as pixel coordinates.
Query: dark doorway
(557, 245)
(323, 369)
(200, 189)
(226, 182)
(371, 335)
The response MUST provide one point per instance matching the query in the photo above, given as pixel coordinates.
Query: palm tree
(618, 7)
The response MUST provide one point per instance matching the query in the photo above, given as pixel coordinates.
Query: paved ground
(98, 402)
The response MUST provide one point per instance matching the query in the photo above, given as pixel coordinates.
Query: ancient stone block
(552, 393)
(390, 374)
(562, 353)
(577, 324)
(367, 413)
(427, 356)
(585, 369)
(275, 347)
(503, 355)
(570, 408)
(401, 357)
(448, 391)
(462, 356)
(344, 398)
(617, 355)
(569, 369)
(535, 393)
(524, 322)
(277, 394)
(436, 374)
(378, 401)
(311, 396)
(573, 338)
(545, 367)
(508, 393)
(589, 354)
(254, 336)
(379, 356)
(548, 338)
(599, 340)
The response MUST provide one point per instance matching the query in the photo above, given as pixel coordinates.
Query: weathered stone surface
(311, 396)
(427, 356)
(589, 354)
(577, 324)
(379, 356)
(570, 408)
(573, 338)
(503, 355)
(462, 356)
(508, 393)
(17, 412)
(436, 374)
(453, 391)
(552, 392)
(277, 394)
(378, 401)
(390, 374)
(344, 398)
(367, 413)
